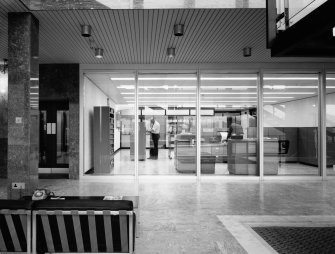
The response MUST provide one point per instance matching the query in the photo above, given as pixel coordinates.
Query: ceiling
(143, 36)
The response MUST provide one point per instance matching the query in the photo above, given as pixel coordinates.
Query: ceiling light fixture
(334, 31)
(86, 30)
(123, 79)
(4, 66)
(229, 78)
(99, 53)
(171, 52)
(178, 30)
(246, 51)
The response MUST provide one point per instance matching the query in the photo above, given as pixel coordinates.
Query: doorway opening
(54, 136)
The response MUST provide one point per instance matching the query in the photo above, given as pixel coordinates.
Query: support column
(23, 97)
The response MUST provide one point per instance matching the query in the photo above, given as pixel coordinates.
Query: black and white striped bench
(15, 226)
(82, 226)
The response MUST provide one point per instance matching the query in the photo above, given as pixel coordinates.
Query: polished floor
(184, 216)
(166, 166)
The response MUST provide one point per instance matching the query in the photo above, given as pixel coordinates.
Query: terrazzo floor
(183, 216)
(166, 166)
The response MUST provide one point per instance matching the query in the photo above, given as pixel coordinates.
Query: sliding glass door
(290, 124)
(229, 124)
(167, 124)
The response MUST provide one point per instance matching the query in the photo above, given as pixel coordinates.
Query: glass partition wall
(290, 120)
(229, 124)
(330, 124)
(228, 128)
(167, 124)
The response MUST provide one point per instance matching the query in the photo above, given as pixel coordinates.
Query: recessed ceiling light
(334, 31)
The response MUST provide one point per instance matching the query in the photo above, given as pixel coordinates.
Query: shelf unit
(111, 136)
(103, 145)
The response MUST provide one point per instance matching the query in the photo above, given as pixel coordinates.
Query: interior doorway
(54, 136)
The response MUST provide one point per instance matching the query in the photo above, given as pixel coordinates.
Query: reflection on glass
(167, 101)
(228, 124)
(290, 124)
(330, 123)
(295, 10)
(62, 137)
(43, 138)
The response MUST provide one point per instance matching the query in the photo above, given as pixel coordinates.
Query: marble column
(23, 92)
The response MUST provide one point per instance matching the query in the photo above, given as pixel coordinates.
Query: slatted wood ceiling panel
(5, 7)
(143, 36)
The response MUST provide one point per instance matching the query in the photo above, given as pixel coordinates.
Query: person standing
(155, 130)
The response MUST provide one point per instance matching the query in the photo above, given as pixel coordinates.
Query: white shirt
(155, 128)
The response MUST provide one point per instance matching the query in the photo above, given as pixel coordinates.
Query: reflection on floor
(165, 166)
(182, 216)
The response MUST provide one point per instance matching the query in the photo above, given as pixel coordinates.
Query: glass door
(54, 136)
(228, 108)
(167, 124)
(290, 115)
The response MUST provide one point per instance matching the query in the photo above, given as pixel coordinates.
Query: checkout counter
(185, 155)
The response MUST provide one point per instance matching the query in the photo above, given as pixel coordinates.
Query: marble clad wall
(61, 82)
(23, 37)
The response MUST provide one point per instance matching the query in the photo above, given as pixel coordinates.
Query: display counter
(242, 157)
(185, 155)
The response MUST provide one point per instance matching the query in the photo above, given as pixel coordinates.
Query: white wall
(298, 113)
(93, 96)
(330, 109)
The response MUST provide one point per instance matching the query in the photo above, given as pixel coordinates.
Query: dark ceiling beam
(309, 36)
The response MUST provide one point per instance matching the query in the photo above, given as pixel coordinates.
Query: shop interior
(290, 124)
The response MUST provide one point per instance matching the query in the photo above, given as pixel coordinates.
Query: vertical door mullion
(260, 130)
(198, 117)
(322, 149)
(136, 126)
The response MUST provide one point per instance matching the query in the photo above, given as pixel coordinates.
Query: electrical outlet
(18, 186)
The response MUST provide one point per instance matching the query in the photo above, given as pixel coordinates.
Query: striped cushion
(80, 233)
(13, 225)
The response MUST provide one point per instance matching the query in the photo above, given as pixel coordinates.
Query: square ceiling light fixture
(246, 51)
(171, 52)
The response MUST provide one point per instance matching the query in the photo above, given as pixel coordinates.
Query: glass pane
(290, 124)
(62, 137)
(295, 10)
(330, 123)
(43, 138)
(115, 145)
(229, 124)
(167, 137)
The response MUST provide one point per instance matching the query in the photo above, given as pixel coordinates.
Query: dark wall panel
(61, 82)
